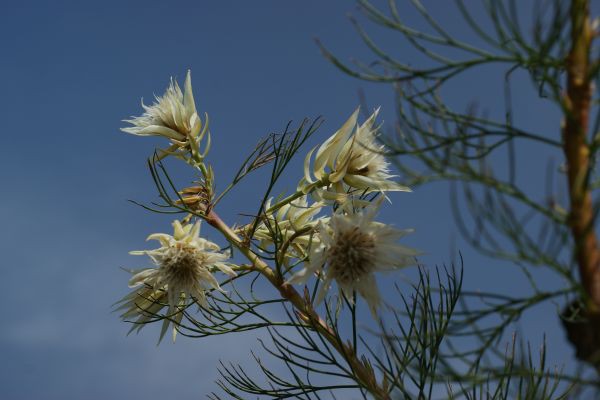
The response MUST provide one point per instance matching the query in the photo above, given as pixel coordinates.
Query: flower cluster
(174, 117)
(291, 223)
(351, 160)
(349, 249)
(185, 265)
(346, 247)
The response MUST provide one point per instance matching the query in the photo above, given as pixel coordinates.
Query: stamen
(351, 257)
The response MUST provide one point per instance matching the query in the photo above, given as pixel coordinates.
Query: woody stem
(577, 152)
(363, 372)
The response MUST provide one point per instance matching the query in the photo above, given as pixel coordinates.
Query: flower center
(182, 270)
(351, 257)
(361, 171)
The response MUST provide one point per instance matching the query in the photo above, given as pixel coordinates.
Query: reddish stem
(577, 152)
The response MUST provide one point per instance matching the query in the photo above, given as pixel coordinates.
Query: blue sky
(72, 70)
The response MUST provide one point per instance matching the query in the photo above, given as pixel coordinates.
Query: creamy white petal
(330, 148)
(323, 289)
(225, 269)
(369, 291)
(140, 277)
(188, 96)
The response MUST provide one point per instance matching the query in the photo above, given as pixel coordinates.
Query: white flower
(351, 248)
(173, 116)
(185, 263)
(352, 158)
(288, 221)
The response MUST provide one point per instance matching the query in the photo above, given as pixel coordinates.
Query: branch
(362, 369)
(577, 152)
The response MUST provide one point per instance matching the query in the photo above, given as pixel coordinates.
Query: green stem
(320, 183)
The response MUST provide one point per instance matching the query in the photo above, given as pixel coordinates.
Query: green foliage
(429, 339)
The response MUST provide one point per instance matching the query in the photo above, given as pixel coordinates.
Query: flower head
(172, 116)
(292, 221)
(352, 159)
(351, 247)
(185, 265)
